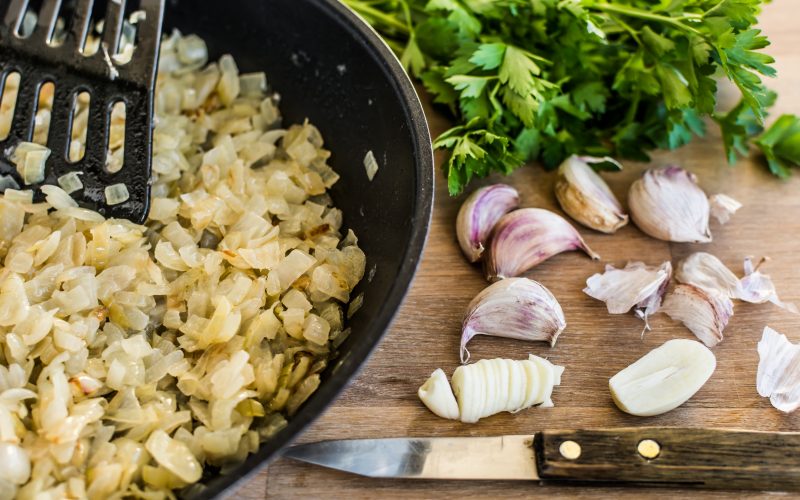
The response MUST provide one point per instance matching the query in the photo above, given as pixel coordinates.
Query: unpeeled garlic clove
(478, 215)
(778, 377)
(586, 197)
(723, 207)
(527, 237)
(707, 272)
(516, 308)
(437, 395)
(756, 287)
(667, 204)
(705, 312)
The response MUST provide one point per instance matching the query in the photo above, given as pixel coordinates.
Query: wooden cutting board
(382, 401)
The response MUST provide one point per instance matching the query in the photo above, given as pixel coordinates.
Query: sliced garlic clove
(437, 395)
(549, 376)
(667, 204)
(516, 308)
(723, 207)
(757, 288)
(706, 271)
(704, 312)
(527, 237)
(586, 197)
(778, 375)
(663, 379)
(478, 215)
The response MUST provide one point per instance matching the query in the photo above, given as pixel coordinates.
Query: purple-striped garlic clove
(586, 197)
(705, 312)
(478, 215)
(527, 237)
(516, 308)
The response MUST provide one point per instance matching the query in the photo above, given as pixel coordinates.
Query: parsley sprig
(543, 79)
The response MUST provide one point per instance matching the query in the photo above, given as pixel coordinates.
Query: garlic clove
(437, 395)
(667, 204)
(549, 376)
(586, 197)
(707, 272)
(527, 237)
(478, 215)
(778, 375)
(663, 379)
(757, 288)
(516, 308)
(704, 312)
(636, 285)
(723, 207)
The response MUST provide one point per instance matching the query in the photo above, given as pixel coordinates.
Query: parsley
(543, 79)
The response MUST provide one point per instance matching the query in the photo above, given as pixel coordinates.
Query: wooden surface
(382, 401)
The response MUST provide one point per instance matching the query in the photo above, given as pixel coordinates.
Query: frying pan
(330, 67)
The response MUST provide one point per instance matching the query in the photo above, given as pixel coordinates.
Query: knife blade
(645, 456)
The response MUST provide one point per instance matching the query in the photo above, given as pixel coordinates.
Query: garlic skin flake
(636, 285)
(527, 237)
(586, 197)
(663, 379)
(758, 288)
(778, 375)
(437, 395)
(705, 312)
(666, 203)
(515, 308)
(706, 271)
(723, 207)
(478, 215)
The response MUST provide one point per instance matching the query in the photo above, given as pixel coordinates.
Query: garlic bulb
(516, 308)
(478, 215)
(667, 204)
(437, 395)
(757, 288)
(663, 379)
(707, 272)
(586, 197)
(723, 207)
(778, 375)
(636, 285)
(527, 237)
(704, 312)
(495, 385)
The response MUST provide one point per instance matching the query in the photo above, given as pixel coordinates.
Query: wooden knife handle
(699, 458)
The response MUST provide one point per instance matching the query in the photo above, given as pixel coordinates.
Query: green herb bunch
(544, 79)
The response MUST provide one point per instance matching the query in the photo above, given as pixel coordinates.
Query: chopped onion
(70, 182)
(116, 194)
(370, 164)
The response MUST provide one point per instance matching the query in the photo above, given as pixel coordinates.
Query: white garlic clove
(635, 286)
(478, 215)
(586, 197)
(706, 271)
(549, 377)
(437, 395)
(527, 237)
(667, 204)
(663, 379)
(516, 308)
(704, 312)
(723, 207)
(778, 375)
(756, 287)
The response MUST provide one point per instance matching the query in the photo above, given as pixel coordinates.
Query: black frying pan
(333, 69)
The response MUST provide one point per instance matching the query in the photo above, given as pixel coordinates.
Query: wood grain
(382, 401)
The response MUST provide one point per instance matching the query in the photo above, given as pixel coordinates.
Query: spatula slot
(78, 126)
(44, 109)
(116, 138)
(8, 102)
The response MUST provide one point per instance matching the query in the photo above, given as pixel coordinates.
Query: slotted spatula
(38, 61)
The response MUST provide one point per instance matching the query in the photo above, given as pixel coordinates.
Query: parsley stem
(642, 14)
(370, 12)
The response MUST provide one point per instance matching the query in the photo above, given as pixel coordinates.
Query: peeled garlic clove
(704, 312)
(516, 308)
(636, 285)
(663, 379)
(527, 237)
(666, 203)
(478, 215)
(705, 271)
(586, 197)
(778, 376)
(437, 395)
(723, 207)
(757, 288)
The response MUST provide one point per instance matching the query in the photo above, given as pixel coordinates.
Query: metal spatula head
(48, 47)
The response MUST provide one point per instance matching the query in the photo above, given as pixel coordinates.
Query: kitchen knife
(656, 456)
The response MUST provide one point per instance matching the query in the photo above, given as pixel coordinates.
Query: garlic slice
(778, 375)
(478, 215)
(437, 395)
(757, 288)
(516, 308)
(723, 207)
(636, 285)
(663, 379)
(704, 312)
(586, 197)
(707, 272)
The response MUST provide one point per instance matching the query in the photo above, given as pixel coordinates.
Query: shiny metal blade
(501, 457)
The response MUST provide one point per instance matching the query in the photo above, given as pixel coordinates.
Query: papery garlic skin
(516, 308)
(478, 215)
(707, 272)
(636, 285)
(663, 379)
(723, 207)
(705, 312)
(438, 397)
(586, 197)
(757, 288)
(666, 203)
(527, 237)
(778, 375)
